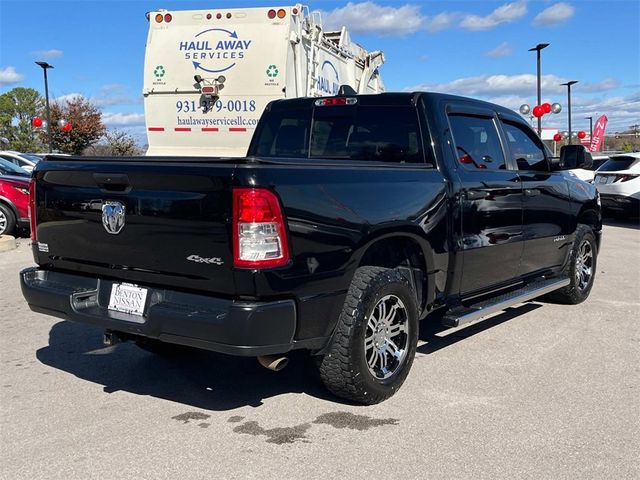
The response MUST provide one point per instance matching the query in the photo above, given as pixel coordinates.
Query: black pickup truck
(351, 218)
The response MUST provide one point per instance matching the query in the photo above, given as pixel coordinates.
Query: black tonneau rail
(156, 159)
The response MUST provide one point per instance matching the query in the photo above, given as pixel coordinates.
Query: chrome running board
(464, 315)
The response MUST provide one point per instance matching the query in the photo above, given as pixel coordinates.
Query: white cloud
(48, 54)
(520, 84)
(114, 94)
(621, 112)
(511, 91)
(108, 95)
(8, 75)
(553, 15)
(123, 119)
(502, 50)
(506, 13)
(369, 17)
(441, 21)
(602, 86)
(112, 87)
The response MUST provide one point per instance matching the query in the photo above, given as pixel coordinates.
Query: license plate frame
(128, 298)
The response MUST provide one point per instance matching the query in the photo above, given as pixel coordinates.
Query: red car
(14, 203)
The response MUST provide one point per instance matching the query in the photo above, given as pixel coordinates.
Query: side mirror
(574, 156)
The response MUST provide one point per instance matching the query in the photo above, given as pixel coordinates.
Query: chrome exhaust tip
(273, 362)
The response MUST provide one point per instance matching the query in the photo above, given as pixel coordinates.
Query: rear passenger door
(546, 206)
(490, 197)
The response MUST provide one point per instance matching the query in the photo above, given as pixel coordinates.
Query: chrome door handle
(475, 194)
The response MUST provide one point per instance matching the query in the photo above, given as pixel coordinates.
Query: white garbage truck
(208, 74)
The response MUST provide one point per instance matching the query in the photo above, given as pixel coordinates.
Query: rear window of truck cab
(351, 132)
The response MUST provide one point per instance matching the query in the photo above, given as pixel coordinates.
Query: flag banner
(598, 134)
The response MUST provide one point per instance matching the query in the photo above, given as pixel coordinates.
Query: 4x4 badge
(209, 261)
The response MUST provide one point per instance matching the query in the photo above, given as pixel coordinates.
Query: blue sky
(473, 48)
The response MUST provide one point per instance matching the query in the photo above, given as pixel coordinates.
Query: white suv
(587, 174)
(618, 181)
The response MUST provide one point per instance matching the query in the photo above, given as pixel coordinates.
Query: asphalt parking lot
(540, 391)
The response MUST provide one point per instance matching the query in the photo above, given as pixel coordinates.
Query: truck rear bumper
(233, 327)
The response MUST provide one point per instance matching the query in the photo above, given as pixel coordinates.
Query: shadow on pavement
(197, 378)
(22, 233)
(209, 380)
(633, 223)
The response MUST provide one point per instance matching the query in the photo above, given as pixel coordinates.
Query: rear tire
(375, 340)
(581, 269)
(7, 221)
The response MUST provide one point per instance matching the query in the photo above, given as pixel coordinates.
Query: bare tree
(121, 144)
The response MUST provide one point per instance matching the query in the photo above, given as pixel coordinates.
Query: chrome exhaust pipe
(273, 362)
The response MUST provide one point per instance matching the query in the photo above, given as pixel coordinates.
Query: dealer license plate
(128, 298)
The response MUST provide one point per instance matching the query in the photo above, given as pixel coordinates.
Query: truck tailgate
(152, 222)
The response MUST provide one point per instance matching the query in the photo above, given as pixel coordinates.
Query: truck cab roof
(391, 99)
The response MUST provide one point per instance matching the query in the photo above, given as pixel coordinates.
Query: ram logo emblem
(113, 217)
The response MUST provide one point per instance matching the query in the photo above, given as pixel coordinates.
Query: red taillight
(625, 178)
(466, 159)
(32, 209)
(271, 13)
(259, 234)
(324, 102)
(168, 17)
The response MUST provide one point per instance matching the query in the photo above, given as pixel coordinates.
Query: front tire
(375, 340)
(581, 268)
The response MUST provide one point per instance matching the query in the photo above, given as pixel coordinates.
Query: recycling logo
(272, 71)
(159, 71)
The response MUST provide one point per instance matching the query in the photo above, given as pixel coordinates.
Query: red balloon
(557, 137)
(538, 111)
(36, 122)
(546, 107)
(581, 134)
(67, 127)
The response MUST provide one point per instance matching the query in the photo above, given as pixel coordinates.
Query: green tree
(86, 125)
(17, 108)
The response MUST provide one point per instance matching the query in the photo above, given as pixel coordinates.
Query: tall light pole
(537, 49)
(590, 127)
(46, 66)
(568, 85)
